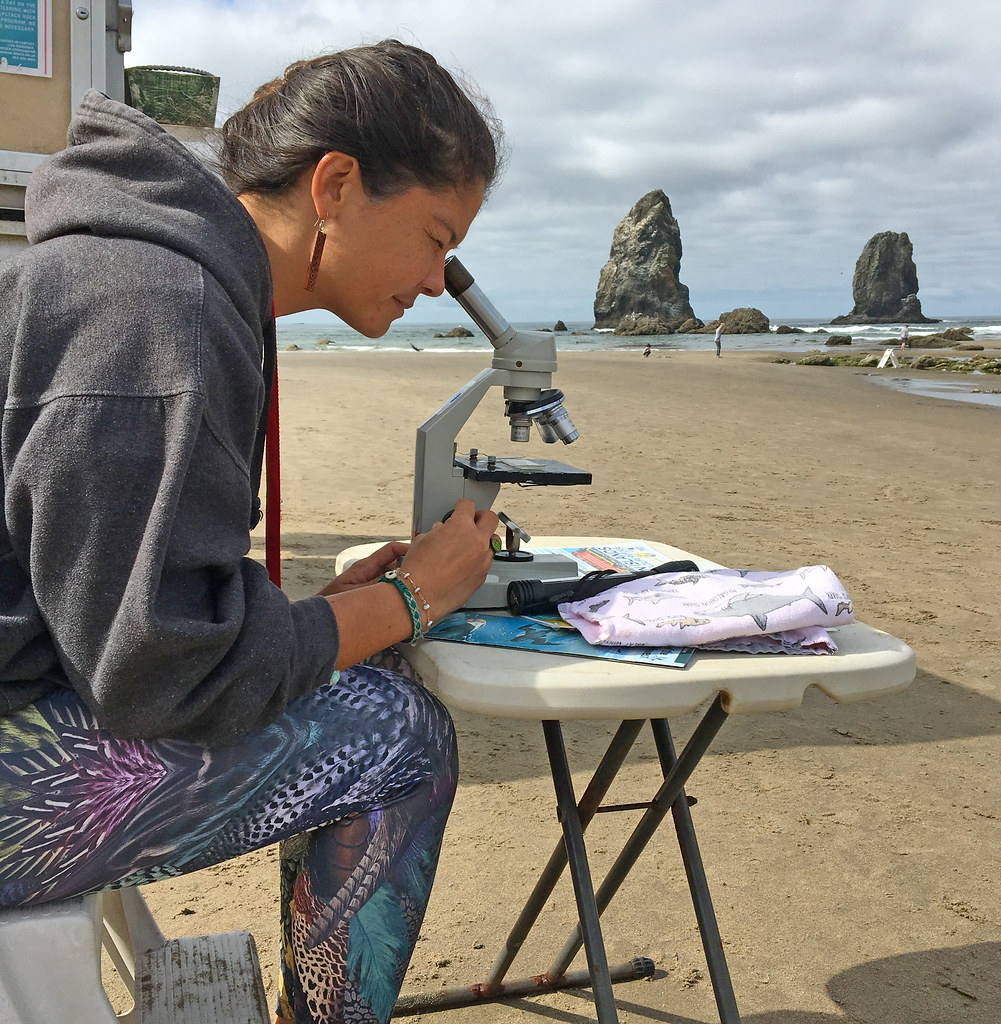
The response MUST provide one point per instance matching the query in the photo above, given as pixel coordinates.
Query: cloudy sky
(785, 133)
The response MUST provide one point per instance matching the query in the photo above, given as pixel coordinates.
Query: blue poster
(26, 37)
(545, 635)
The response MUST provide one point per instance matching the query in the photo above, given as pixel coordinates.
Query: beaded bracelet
(420, 598)
(415, 615)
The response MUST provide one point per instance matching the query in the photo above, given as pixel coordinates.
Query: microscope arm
(438, 482)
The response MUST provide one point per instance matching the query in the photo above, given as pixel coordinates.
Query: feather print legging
(355, 780)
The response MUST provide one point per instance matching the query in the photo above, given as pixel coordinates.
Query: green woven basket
(173, 95)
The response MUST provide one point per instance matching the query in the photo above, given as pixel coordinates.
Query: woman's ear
(336, 178)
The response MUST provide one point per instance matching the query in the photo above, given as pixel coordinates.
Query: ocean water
(975, 389)
(580, 337)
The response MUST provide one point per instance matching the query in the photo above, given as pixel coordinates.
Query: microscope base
(493, 593)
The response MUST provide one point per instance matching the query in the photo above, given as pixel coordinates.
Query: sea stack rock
(744, 320)
(885, 285)
(641, 275)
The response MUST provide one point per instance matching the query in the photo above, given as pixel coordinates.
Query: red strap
(273, 506)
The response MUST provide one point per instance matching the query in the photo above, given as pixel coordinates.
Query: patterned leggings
(356, 781)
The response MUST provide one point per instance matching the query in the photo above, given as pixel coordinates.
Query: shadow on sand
(934, 986)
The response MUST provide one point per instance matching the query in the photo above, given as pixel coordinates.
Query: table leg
(495, 987)
(604, 775)
(575, 818)
(719, 973)
(670, 791)
(573, 836)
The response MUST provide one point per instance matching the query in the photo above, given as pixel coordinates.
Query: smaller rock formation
(559, 326)
(885, 285)
(952, 337)
(690, 326)
(839, 339)
(927, 362)
(633, 324)
(641, 275)
(743, 320)
(456, 332)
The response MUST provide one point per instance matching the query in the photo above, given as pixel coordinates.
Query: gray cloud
(784, 133)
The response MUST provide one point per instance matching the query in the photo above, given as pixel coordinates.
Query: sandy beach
(853, 851)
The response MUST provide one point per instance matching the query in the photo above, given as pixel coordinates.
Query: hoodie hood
(122, 175)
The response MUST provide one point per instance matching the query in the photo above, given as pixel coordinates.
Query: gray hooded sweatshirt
(131, 338)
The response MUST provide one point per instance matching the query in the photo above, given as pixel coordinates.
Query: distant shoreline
(990, 346)
(580, 337)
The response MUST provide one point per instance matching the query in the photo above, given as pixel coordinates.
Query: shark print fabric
(725, 609)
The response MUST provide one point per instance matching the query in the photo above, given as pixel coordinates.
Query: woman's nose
(434, 281)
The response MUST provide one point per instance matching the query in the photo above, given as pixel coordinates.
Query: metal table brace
(575, 819)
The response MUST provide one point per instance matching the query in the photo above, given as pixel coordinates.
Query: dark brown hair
(391, 106)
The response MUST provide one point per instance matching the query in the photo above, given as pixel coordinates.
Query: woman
(164, 707)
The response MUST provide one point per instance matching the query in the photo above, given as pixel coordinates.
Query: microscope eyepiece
(457, 278)
(464, 289)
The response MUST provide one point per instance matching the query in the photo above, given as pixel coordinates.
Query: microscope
(523, 364)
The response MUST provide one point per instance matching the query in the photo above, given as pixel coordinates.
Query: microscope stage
(520, 471)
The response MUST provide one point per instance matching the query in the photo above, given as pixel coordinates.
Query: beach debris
(691, 978)
(641, 275)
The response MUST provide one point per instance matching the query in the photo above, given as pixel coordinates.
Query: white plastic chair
(50, 967)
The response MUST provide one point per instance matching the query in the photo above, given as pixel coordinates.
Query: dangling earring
(314, 263)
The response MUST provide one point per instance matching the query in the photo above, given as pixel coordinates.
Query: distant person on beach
(646, 351)
(718, 339)
(903, 338)
(164, 706)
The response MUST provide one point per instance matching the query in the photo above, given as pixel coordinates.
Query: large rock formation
(641, 275)
(885, 285)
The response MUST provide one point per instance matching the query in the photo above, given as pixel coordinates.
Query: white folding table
(551, 688)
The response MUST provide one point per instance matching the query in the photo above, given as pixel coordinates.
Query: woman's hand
(449, 563)
(368, 569)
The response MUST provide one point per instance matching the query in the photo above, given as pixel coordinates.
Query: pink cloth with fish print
(699, 609)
